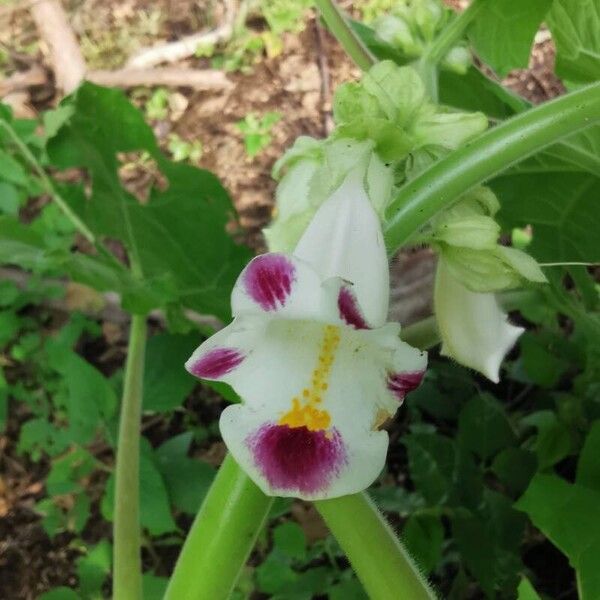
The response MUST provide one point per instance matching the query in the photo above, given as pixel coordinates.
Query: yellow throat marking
(305, 411)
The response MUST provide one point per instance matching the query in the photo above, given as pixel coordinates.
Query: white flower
(474, 329)
(310, 354)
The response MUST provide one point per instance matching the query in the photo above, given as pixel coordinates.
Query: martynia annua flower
(311, 355)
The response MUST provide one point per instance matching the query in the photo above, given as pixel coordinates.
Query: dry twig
(197, 79)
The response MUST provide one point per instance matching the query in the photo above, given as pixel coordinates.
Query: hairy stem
(127, 572)
(377, 556)
(489, 154)
(340, 28)
(221, 538)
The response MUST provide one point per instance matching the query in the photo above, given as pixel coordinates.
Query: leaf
(60, 593)
(289, 539)
(567, 514)
(489, 541)
(483, 426)
(187, 480)
(155, 510)
(540, 361)
(588, 466)
(9, 199)
(424, 535)
(561, 209)
(178, 236)
(515, 467)
(153, 587)
(67, 471)
(526, 590)
(502, 32)
(93, 569)
(553, 441)
(575, 25)
(11, 170)
(166, 382)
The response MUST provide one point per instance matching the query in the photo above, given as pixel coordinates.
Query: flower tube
(309, 352)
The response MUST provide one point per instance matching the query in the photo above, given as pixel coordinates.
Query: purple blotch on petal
(402, 383)
(296, 459)
(349, 310)
(268, 280)
(216, 363)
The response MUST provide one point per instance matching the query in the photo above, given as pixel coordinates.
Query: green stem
(489, 154)
(379, 559)
(455, 30)
(127, 572)
(221, 538)
(340, 28)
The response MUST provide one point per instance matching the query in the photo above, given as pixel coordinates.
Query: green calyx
(413, 25)
(385, 126)
(466, 235)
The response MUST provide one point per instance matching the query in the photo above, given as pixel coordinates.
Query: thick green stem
(221, 538)
(340, 28)
(379, 559)
(489, 154)
(127, 572)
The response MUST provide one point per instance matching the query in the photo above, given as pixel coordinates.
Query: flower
(310, 354)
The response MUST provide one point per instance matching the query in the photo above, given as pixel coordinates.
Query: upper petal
(344, 239)
(475, 331)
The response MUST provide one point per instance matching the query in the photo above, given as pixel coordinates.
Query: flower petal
(344, 239)
(475, 331)
(284, 286)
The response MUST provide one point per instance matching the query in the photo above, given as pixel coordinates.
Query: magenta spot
(402, 383)
(268, 280)
(296, 459)
(349, 310)
(216, 363)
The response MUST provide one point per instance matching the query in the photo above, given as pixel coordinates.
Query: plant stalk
(221, 538)
(489, 154)
(379, 559)
(340, 28)
(127, 571)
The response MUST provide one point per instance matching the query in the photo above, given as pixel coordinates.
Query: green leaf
(575, 25)
(93, 569)
(526, 591)
(553, 441)
(540, 361)
(588, 467)
(178, 236)
(483, 426)
(11, 170)
(289, 539)
(187, 480)
(155, 510)
(68, 470)
(515, 467)
(60, 593)
(489, 541)
(166, 382)
(560, 207)
(9, 199)
(503, 31)
(424, 535)
(153, 587)
(567, 514)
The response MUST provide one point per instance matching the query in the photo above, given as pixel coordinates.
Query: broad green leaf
(289, 539)
(187, 479)
(489, 541)
(9, 199)
(561, 208)
(541, 360)
(68, 470)
(575, 26)
(568, 515)
(166, 382)
(93, 569)
(177, 237)
(526, 591)
(588, 466)
(153, 587)
(515, 467)
(11, 170)
(553, 440)
(483, 426)
(503, 30)
(423, 535)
